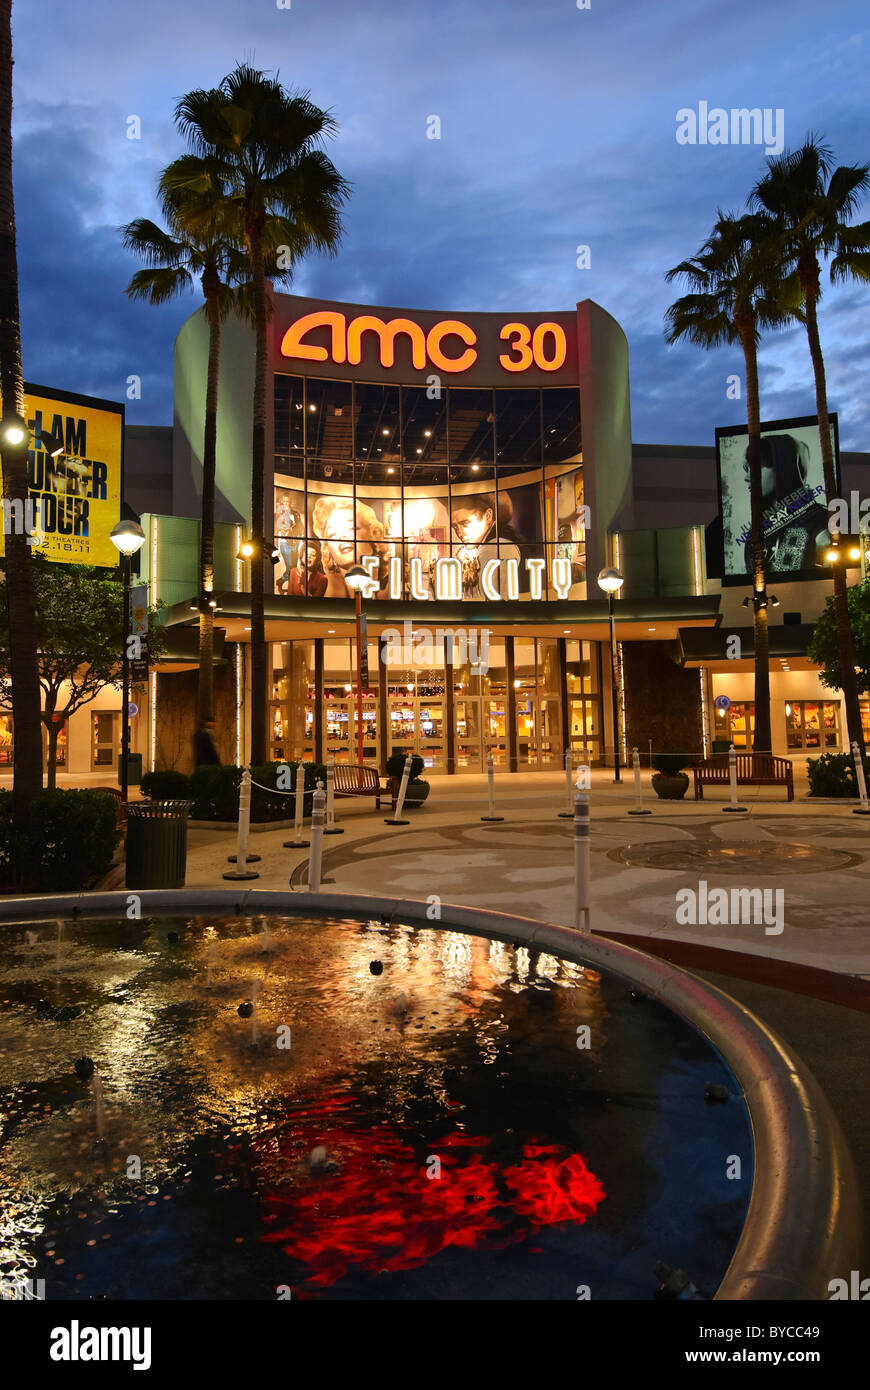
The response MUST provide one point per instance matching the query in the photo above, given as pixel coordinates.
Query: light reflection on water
(462, 1048)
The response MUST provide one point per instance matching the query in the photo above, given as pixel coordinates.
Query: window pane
(560, 424)
(376, 431)
(472, 437)
(289, 419)
(424, 430)
(518, 430)
(328, 420)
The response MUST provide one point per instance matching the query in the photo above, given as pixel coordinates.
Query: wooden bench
(120, 804)
(352, 780)
(753, 770)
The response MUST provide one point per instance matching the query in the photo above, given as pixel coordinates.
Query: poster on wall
(75, 493)
(793, 490)
(404, 542)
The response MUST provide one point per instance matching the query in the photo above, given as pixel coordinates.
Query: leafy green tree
(811, 206)
(737, 292)
(79, 629)
(824, 647)
(257, 157)
(175, 259)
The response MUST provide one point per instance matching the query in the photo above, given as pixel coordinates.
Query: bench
(120, 804)
(352, 780)
(753, 770)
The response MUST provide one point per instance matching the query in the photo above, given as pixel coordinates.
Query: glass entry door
(583, 728)
(416, 715)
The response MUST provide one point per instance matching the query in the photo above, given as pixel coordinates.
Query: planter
(415, 793)
(670, 786)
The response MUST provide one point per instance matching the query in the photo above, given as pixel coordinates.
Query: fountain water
(255, 1025)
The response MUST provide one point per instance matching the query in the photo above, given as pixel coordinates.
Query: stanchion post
(568, 813)
(299, 841)
(639, 808)
(396, 819)
(241, 856)
(490, 782)
(732, 778)
(864, 808)
(330, 827)
(315, 859)
(581, 862)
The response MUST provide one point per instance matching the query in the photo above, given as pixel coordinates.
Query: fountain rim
(805, 1222)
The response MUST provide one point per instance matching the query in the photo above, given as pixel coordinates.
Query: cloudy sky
(558, 129)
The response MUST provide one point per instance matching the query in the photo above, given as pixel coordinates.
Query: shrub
(67, 843)
(669, 764)
(215, 791)
(166, 785)
(396, 765)
(833, 774)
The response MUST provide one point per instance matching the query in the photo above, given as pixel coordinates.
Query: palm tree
(736, 295)
(175, 259)
(24, 660)
(810, 205)
(257, 156)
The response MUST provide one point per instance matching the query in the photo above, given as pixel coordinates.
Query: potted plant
(669, 781)
(417, 789)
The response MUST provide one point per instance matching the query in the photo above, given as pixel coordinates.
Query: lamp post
(356, 580)
(127, 537)
(611, 581)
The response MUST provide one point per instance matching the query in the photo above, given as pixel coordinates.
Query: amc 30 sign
(408, 345)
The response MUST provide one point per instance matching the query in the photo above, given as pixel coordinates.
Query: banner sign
(793, 489)
(76, 494)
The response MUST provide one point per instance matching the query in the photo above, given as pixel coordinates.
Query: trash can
(134, 770)
(157, 843)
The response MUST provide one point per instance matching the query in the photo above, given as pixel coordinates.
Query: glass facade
(812, 724)
(452, 708)
(396, 480)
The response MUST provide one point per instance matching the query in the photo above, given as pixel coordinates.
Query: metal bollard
(639, 808)
(400, 804)
(490, 781)
(732, 778)
(330, 827)
(241, 856)
(315, 859)
(581, 863)
(568, 813)
(864, 808)
(299, 841)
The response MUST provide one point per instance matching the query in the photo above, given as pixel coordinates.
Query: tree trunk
(23, 657)
(762, 742)
(845, 644)
(53, 732)
(259, 652)
(205, 700)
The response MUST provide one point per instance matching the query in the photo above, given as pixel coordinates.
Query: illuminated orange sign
(544, 347)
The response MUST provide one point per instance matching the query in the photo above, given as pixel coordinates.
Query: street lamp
(357, 579)
(611, 581)
(127, 537)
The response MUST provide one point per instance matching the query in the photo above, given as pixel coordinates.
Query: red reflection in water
(380, 1212)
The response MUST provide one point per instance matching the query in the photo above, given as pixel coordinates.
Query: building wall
(148, 468)
(662, 700)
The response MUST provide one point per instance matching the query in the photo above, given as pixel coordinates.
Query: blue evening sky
(558, 129)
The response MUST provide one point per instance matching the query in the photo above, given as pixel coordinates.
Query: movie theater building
(474, 465)
(480, 468)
